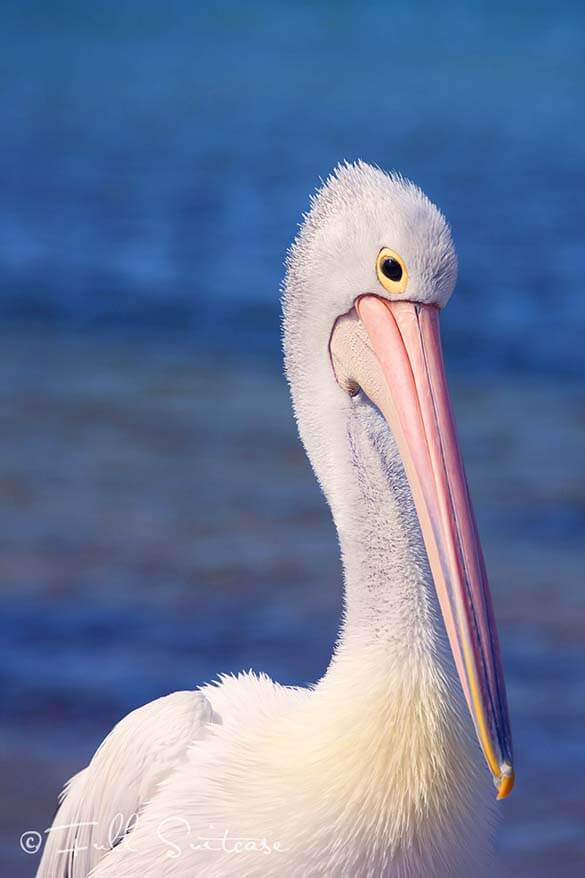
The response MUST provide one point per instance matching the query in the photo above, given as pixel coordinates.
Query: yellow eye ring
(391, 271)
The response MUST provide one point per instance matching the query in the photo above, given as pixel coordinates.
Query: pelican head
(368, 275)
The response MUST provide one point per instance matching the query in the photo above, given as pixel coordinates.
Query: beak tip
(505, 782)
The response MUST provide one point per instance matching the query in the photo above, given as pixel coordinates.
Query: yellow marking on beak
(506, 781)
(503, 774)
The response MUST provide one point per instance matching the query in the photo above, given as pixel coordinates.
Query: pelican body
(382, 768)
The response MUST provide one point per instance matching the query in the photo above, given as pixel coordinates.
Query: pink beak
(406, 341)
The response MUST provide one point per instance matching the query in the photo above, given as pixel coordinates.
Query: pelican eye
(391, 271)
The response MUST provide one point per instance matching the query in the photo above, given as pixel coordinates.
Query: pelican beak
(413, 396)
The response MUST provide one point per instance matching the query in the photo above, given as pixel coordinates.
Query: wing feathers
(99, 804)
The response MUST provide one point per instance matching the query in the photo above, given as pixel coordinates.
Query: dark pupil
(392, 269)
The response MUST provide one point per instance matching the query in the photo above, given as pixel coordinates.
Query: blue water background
(154, 162)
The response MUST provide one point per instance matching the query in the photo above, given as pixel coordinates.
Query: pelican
(382, 768)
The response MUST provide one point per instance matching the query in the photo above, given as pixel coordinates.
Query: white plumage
(100, 803)
(374, 771)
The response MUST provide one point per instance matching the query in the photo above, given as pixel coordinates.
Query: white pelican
(374, 771)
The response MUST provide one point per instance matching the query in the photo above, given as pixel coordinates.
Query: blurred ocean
(154, 162)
